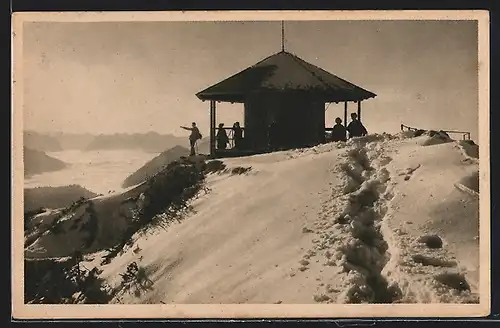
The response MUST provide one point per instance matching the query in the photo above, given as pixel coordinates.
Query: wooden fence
(465, 134)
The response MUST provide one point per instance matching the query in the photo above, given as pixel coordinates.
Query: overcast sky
(143, 76)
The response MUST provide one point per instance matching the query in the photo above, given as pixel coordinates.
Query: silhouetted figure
(237, 135)
(356, 128)
(339, 131)
(273, 135)
(193, 137)
(222, 138)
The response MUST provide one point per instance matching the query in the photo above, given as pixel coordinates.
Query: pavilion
(281, 88)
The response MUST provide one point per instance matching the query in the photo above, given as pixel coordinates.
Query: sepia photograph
(251, 164)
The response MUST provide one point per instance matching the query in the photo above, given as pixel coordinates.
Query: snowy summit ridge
(378, 219)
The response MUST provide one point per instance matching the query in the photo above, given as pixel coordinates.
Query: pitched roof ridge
(307, 76)
(240, 72)
(341, 79)
(298, 61)
(263, 60)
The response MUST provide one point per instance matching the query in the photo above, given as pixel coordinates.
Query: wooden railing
(230, 135)
(465, 134)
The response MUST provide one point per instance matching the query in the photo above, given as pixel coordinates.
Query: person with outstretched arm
(193, 137)
(356, 128)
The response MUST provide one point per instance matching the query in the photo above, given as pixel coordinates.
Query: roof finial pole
(282, 36)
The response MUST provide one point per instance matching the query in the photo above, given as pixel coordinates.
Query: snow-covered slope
(338, 223)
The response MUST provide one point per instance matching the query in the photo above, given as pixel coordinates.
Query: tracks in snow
(421, 272)
(350, 237)
(366, 254)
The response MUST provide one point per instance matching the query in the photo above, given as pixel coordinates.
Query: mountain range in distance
(37, 144)
(60, 141)
(37, 162)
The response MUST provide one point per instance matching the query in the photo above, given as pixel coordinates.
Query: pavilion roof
(285, 72)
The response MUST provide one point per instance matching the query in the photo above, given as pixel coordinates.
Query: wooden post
(212, 128)
(282, 36)
(359, 111)
(345, 114)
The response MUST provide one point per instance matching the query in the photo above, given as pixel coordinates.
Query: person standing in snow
(193, 137)
(222, 138)
(356, 128)
(339, 131)
(237, 135)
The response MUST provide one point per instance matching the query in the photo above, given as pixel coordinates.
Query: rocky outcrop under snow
(54, 197)
(155, 165)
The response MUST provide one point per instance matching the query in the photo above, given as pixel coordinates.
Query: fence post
(212, 128)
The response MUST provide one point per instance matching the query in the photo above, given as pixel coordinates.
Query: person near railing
(356, 128)
(193, 137)
(339, 131)
(222, 138)
(237, 135)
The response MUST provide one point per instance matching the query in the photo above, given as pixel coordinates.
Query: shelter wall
(301, 120)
